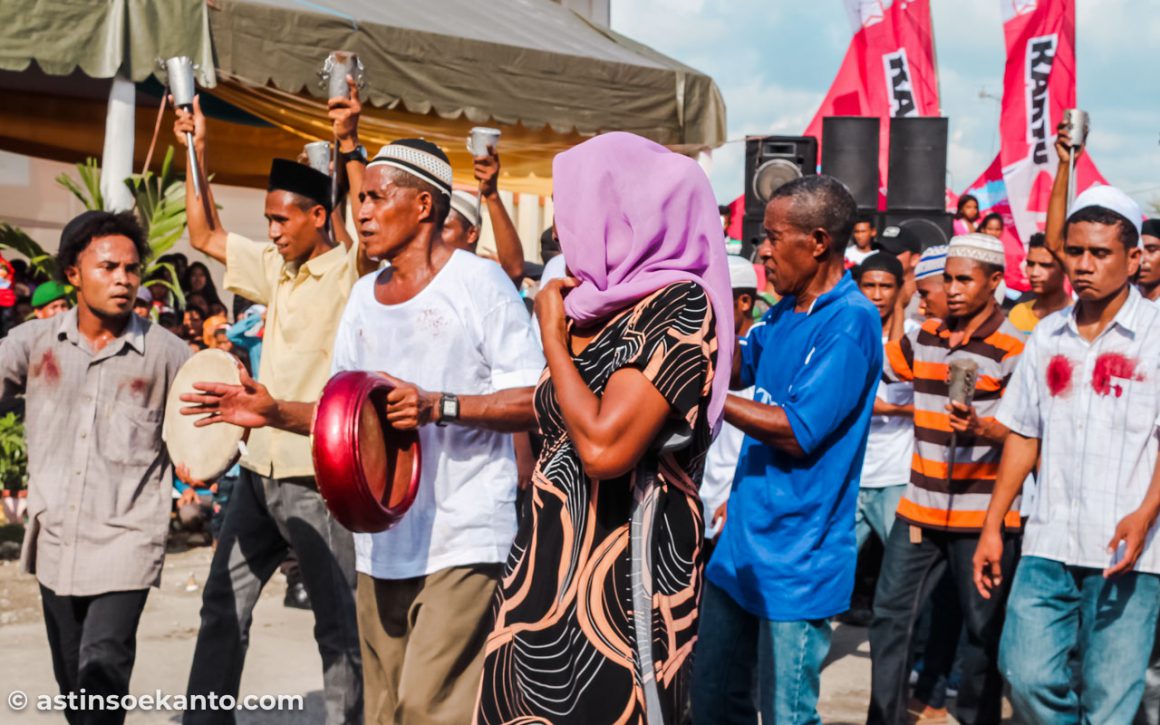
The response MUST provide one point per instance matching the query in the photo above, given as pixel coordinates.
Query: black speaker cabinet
(771, 161)
(918, 164)
(850, 155)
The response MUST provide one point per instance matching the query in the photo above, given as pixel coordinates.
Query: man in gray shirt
(95, 380)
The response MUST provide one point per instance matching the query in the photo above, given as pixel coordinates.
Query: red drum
(367, 472)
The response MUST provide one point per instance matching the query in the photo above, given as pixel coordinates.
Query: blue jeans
(1056, 612)
(875, 513)
(787, 657)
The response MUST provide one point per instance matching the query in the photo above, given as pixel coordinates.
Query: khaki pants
(422, 644)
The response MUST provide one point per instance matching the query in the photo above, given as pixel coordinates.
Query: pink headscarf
(633, 218)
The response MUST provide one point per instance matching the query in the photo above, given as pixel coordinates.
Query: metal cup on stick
(318, 155)
(337, 66)
(1076, 122)
(481, 142)
(179, 72)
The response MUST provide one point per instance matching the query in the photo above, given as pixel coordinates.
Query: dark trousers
(94, 642)
(909, 574)
(265, 518)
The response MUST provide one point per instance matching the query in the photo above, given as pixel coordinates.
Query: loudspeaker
(918, 164)
(932, 227)
(850, 155)
(771, 161)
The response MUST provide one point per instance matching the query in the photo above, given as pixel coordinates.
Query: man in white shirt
(861, 241)
(456, 340)
(721, 460)
(1085, 401)
(890, 446)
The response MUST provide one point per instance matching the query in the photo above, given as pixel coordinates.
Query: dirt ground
(282, 658)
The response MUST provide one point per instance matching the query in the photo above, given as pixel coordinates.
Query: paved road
(282, 657)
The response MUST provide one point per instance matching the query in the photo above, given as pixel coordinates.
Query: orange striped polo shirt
(923, 357)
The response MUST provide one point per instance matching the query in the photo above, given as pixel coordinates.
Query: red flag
(991, 191)
(1038, 85)
(889, 70)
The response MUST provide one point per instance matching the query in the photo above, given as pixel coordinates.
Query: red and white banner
(991, 192)
(1038, 85)
(889, 70)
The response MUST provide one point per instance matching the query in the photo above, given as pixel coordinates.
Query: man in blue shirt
(785, 561)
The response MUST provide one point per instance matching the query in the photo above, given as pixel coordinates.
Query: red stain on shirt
(137, 386)
(48, 367)
(1059, 371)
(1110, 367)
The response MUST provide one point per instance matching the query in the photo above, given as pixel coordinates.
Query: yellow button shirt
(304, 305)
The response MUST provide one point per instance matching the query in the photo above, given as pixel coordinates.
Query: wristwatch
(358, 153)
(448, 409)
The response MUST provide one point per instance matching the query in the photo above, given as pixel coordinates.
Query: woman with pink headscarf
(596, 615)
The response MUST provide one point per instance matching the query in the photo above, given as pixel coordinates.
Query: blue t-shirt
(787, 551)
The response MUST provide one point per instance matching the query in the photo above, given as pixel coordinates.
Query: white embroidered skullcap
(467, 206)
(979, 247)
(419, 158)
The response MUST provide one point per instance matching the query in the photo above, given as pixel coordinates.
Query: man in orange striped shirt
(942, 512)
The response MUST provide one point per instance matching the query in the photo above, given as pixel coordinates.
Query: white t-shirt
(720, 465)
(890, 447)
(468, 333)
(856, 256)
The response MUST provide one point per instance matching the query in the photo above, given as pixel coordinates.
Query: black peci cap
(287, 175)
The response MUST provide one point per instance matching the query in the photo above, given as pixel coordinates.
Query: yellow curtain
(526, 155)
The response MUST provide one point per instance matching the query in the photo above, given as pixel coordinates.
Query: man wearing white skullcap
(1082, 410)
(452, 335)
(928, 282)
(464, 223)
(957, 449)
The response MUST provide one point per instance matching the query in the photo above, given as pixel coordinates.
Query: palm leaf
(88, 191)
(18, 241)
(170, 274)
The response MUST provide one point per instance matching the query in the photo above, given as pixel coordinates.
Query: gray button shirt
(99, 486)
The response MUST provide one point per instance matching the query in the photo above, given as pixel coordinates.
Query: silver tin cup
(1077, 126)
(180, 73)
(337, 67)
(318, 156)
(481, 139)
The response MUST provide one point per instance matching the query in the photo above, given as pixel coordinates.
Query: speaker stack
(916, 194)
(850, 155)
(771, 161)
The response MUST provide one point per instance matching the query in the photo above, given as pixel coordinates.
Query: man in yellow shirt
(304, 279)
(1045, 273)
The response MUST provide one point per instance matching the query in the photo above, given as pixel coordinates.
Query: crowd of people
(645, 500)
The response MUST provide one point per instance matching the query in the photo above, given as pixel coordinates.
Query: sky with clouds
(774, 61)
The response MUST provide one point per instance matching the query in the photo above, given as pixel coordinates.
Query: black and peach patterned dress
(596, 614)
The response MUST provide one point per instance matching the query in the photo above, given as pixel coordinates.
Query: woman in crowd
(634, 388)
(992, 225)
(967, 214)
(198, 282)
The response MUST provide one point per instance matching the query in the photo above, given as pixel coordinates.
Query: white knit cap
(933, 262)
(466, 205)
(1111, 198)
(742, 275)
(979, 247)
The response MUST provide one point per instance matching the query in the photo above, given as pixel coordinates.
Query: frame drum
(367, 472)
(210, 451)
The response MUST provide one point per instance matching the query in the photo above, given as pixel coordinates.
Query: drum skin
(367, 472)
